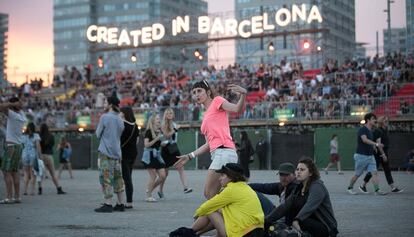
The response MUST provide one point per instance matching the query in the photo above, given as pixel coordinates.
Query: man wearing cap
(282, 189)
(235, 211)
(109, 131)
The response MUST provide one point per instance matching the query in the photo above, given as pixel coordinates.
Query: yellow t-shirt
(240, 206)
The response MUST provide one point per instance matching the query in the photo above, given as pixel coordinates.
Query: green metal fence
(346, 146)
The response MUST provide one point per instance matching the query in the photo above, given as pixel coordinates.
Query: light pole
(388, 11)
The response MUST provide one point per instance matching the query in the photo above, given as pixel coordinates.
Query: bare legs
(29, 177)
(153, 181)
(212, 221)
(338, 165)
(68, 166)
(212, 186)
(183, 178)
(50, 167)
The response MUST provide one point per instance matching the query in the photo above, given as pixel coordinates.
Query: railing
(287, 112)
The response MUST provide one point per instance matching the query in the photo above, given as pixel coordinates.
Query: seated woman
(409, 164)
(309, 207)
(233, 212)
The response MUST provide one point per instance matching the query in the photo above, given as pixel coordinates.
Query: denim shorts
(222, 156)
(364, 162)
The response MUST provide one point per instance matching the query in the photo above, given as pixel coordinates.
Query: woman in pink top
(215, 127)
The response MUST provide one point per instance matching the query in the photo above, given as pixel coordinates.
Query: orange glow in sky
(30, 39)
(35, 60)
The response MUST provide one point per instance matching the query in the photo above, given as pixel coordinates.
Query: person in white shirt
(11, 160)
(334, 155)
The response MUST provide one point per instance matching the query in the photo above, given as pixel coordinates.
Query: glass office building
(398, 40)
(72, 18)
(4, 28)
(336, 41)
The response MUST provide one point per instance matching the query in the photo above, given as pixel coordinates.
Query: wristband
(376, 144)
(192, 155)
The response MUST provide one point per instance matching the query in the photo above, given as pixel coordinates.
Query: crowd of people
(328, 93)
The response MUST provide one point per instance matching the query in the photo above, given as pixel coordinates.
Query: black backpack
(183, 232)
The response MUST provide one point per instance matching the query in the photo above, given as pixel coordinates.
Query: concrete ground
(72, 214)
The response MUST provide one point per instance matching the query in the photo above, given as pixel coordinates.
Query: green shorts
(11, 158)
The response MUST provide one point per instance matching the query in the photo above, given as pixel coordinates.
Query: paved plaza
(73, 215)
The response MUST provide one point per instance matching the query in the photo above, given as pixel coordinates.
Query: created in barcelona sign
(205, 25)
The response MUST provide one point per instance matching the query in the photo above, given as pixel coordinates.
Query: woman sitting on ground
(309, 207)
(235, 211)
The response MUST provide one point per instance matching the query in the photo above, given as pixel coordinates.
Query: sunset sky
(30, 47)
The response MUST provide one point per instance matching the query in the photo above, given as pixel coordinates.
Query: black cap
(286, 168)
(14, 99)
(112, 100)
(233, 168)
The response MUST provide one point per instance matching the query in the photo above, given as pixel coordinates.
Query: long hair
(245, 139)
(151, 124)
(167, 124)
(382, 120)
(244, 136)
(128, 114)
(62, 142)
(30, 129)
(313, 170)
(235, 177)
(44, 134)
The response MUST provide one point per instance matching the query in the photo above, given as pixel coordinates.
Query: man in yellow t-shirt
(235, 211)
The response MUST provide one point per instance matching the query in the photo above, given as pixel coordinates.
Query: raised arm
(227, 106)
(6, 105)
(148, 143)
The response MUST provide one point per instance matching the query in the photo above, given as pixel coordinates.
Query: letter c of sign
(92, 28)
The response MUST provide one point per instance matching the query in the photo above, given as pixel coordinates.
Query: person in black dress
(170, 151)
(245, 151)
(129, 141)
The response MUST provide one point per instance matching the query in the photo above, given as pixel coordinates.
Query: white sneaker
(351, 191)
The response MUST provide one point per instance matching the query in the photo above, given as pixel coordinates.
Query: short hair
(204, 85)
(369, 116)
(113, 101)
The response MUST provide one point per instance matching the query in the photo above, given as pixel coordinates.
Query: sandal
(6, 201)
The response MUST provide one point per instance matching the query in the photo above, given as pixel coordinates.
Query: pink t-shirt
(215, 125)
